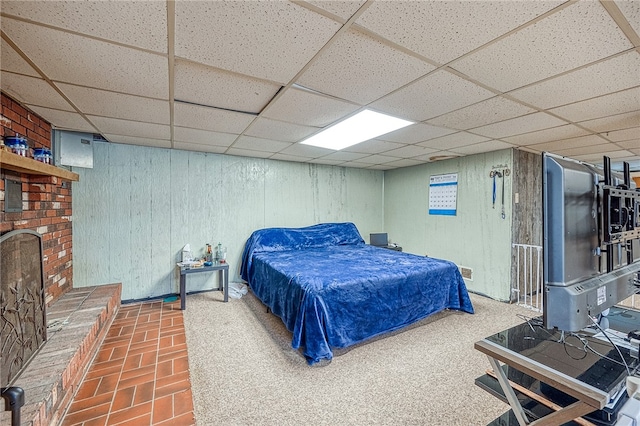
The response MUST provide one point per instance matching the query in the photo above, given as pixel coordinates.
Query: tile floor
(141, 373)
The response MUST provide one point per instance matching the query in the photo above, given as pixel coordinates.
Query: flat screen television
(591, 233)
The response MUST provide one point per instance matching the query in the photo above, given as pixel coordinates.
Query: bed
(332, 290)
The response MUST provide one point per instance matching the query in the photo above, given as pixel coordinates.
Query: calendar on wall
(443, 194)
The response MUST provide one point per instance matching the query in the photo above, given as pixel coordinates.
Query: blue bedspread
(332, 290)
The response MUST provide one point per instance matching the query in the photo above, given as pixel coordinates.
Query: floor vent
(467, 273)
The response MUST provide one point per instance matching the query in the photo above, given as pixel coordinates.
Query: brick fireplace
(46, 202)
(77, 319)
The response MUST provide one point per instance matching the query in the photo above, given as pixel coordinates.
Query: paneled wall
(476, 237)
(138, 206)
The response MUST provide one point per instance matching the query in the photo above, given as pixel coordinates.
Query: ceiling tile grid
(203, 137)
(271, 40)
(136, 23)
(454, 141)
(272, 129)
(117, 105)
(305, 108)
(74, 59)
(204, 85)
(256, 78)
(577, 35)
(64, 119)
(34, 91)
(431, 96)
(14, 63)
(360, 69)
(214, 119)
(443, 31)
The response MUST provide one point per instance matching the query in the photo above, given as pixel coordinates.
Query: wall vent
(467, 273)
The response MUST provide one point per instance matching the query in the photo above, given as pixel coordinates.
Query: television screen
(591, 225)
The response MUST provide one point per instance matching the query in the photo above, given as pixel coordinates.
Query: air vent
(467, 273)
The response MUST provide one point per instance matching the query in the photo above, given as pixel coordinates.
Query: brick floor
(141, 373)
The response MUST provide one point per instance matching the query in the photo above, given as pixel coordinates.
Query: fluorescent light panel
(361, 127)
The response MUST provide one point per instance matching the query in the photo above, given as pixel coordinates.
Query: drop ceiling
(254, 78)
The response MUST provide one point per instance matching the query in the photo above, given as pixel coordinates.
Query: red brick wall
(46, 201)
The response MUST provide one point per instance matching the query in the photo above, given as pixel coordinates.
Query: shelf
(11, 161)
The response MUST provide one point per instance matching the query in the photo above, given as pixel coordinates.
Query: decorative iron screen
(22, 304)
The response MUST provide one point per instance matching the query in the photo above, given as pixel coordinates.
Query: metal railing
(527, 285)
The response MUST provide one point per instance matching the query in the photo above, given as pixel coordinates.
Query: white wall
(477, 237)
(138, 206)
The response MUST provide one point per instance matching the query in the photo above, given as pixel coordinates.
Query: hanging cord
(612, 344)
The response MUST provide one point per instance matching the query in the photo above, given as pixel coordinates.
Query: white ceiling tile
(247, 153)
(595, 157)
(613, 122)
(327, 162)
(132, 140)
(415, 133)
(341, 8)
(633, 144)
(604, 106)
(259, 144)
(443, 31)
(486, 112)
(136, 23)
(88, 62)
(204, 85)
(341, 156)
(203, 137)
(205, 118)
(269, 40)
(358, 165)
(577, 35)
(404, 162)
(13, 62)
(117, 105)
(373, 146)
(547, 135)
(374, 167)
(63, 119)
(361, 69)
(189, 146)
(409, 151)
(569, 143)
(305, 108)
(130, 128)
(481, 147)
(377, 159)
(631, 11)
(453, 141)
(300, 150)
(519, 125)
(587, 149)
(273, 129)
(619, 73)
(33, 91)
(623, 135)
(431, 96)
(295, 158)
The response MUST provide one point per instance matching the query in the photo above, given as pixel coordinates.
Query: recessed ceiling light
(358, 128)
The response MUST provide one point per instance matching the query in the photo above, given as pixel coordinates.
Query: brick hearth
(77, 324)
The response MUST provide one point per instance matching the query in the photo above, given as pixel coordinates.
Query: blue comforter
(332, 290)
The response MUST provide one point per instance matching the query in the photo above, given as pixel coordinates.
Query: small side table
(223, 275)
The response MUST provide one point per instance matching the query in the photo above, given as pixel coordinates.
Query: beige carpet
(244, 371)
